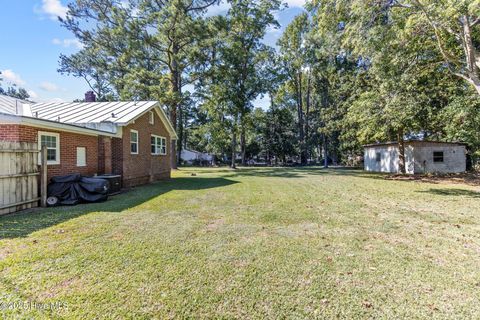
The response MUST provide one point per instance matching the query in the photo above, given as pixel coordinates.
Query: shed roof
(389, 143)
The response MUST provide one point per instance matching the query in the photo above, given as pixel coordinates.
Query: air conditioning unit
(115, 182)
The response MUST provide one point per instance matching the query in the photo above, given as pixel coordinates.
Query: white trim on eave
(52, 125)
(163, 117)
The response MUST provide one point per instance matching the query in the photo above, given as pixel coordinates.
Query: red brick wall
(144, 167)
(117, 156)
(101, 154)
(68, 148)
(135, 169)
(20, 133)
(68, 155)
(104, 154)
(107, 146)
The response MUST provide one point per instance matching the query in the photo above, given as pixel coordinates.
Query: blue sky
(32, 41)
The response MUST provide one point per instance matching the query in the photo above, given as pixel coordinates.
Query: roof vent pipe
(90, 96)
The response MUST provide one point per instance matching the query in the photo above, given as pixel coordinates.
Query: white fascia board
(166, 122)
(163, 117)
(52, 125)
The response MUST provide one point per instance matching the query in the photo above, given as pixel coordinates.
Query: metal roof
(11, 105)
(389, 143)
(120, 113)
(100, 116)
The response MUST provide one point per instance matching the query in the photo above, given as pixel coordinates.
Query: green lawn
(251, 243)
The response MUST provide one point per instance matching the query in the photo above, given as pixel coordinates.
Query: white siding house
(420, 157)
(191, 156)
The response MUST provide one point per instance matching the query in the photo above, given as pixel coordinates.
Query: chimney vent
(90, 96)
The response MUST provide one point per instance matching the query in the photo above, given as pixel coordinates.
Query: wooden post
(43, 177)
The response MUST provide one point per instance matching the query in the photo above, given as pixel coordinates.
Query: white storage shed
(420, 157)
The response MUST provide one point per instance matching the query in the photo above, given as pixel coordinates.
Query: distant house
(132, 138)
(420, 157)
(192, 157)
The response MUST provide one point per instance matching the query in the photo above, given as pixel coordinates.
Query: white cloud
(223, 7)
(33, 94)
(12, 78)
(54, 9)
(262, 102)
(220, 9)
(71, 42)
(295, 3)
(48, 86)
(54, 100)
(272, 30)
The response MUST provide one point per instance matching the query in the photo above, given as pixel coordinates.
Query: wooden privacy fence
(19, 176)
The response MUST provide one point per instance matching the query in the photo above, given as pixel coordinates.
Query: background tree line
(344, 73)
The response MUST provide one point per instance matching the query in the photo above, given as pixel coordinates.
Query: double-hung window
(52, 142)
(133, 141)
(158, 145)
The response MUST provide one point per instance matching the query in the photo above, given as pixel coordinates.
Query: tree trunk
(242, 144)
(307, 112)
(173, 115)
(242, 139)
(301, 132)
(180, 135)
(175, 80)
(471, 71)
(325, 104)
(471, 54)
(234, 144)
(477, 87)
(401, 153)
(325, 151)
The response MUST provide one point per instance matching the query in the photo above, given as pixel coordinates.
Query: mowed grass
(251, 244)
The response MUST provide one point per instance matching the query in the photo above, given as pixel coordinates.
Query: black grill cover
(74, 189)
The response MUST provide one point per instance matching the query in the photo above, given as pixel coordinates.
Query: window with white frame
(52, 142)
(151, 117)
(158, 145)
(133, 141)
(81, 157)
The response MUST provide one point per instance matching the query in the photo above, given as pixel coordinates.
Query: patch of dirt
(5, 253)
(215, 224)
(59, 287)
(468, 178)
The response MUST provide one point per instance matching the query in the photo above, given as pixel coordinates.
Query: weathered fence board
(19, 176)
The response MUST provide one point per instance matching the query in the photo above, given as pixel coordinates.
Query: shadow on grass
(21, 224)
(288, 172)
(453, 192)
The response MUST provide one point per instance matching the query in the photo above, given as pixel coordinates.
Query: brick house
(133, 139)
